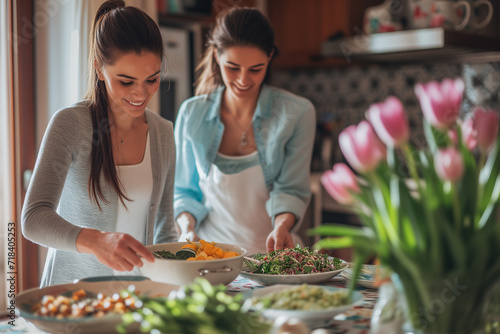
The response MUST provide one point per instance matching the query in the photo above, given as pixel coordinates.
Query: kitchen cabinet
(205, 20)
(302, 26)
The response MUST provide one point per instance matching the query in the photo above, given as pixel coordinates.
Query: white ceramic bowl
(181, 272)
(313, 318)
(107, 285)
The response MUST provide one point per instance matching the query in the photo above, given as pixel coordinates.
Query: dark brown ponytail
(234, 27)
(116, 30)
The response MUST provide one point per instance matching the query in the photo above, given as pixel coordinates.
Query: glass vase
(454, 306)
(387, 316)
(492, 311)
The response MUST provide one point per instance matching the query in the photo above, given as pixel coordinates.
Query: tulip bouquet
(430, 215)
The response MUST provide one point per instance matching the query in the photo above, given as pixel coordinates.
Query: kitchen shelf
(421, 45)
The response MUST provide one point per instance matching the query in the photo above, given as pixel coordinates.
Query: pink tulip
(469, 133)
(440, 103)
(449, 164)
(361, 147)
(339, 183)
(452, 134)
(389, 121)
(486, 126)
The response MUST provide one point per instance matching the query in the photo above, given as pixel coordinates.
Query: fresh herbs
(295, 261)
(182, 254)
(166, 254)
(199, 308)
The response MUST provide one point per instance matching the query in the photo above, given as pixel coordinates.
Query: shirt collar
(262, 109)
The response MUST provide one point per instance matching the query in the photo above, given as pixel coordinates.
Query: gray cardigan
(57, 205)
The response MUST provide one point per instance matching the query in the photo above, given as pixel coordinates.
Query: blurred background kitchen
(343, 55)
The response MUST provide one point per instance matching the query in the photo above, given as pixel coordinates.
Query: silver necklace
(244, 138)
(121, 139)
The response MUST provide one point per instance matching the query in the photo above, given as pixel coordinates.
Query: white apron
(237, 207)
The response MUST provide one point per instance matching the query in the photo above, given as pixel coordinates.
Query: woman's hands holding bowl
(119, 251)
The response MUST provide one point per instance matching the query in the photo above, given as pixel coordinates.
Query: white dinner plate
(313, 318)
(314, 278)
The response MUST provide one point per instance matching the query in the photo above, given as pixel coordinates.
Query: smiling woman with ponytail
(103, 182)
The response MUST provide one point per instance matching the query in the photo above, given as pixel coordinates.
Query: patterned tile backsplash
(344, 94)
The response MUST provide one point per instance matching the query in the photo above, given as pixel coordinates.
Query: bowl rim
(357, 298)
(93, 282)
(240, 256)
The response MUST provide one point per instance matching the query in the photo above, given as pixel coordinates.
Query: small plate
(267, 279)
(367, 276)
(107, 285)
(313, 318)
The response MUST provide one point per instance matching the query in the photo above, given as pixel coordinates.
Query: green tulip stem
(382, 202)
(412, 167)
(456, 207)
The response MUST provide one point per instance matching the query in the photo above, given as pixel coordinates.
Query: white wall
(6, 214)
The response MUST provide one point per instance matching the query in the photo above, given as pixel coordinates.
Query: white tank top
(137, 185)
(237, 206)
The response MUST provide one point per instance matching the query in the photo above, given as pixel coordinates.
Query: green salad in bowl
(298, 260)
(292, 266)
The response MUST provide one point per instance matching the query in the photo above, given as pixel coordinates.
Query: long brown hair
(117, 30)
(234, 27)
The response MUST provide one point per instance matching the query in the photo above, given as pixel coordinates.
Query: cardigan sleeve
(165, 225)
(40, 222)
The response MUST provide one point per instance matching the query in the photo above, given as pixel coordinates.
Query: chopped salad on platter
(294, 261)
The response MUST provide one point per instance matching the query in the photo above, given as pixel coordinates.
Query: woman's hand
(280, 237)
(187, 224)
(119, 251)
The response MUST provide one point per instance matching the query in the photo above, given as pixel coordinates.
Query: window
(6, 145)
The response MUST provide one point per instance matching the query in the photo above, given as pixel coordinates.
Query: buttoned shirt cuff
(197, 209)
(281, 203)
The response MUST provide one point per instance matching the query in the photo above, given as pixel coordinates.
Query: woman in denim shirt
(243, 148)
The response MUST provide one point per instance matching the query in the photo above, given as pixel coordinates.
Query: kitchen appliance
(177, 73)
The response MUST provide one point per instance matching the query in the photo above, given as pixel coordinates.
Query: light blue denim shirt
(284, 126)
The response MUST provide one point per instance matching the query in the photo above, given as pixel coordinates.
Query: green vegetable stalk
(198, 308)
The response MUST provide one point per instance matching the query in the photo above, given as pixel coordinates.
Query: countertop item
(367, 275)
(356, 320)
(311, 318)
(219, 271)
(107, 285)
(415, 45)
(293, 279)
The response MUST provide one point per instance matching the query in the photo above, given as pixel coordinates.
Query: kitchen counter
(354, 321)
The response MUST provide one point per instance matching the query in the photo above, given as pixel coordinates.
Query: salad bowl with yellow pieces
(196, 251)
(181, 262)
